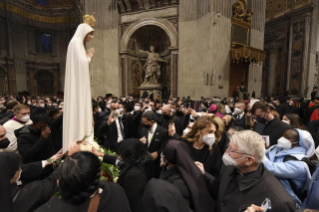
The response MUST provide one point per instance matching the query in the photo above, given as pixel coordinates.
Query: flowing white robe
(77, 111)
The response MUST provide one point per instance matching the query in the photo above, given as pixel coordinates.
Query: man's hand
(74, 148)
(54, 158)
(111, 118)
(200, 166)
(194, 114)
(154, 155)
(143, 140)
(171, 129)
(46, 132)
(254, 208)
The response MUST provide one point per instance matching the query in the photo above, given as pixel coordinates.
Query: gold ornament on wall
(90, 20)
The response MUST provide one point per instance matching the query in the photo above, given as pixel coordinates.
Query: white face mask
(291, 103)
(1, 106)
(100, 110)
(209, 139)
(34, 104)
(284, 143)
(187, 130)
(29, 103)
(116, 113)
(229, 161)
(25, 118)
(49, 104)
(41, 105)
(121, 110)
(108, 106)
(159, 112)
(237, 111)
(173, 110)
(137, 108)
(3, 101)
(287, 122)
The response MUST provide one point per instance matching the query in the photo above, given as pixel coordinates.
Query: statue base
(150, 89)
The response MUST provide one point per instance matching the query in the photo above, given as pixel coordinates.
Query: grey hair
(251, 143)
(149, 115)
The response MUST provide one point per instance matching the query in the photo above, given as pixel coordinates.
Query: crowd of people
(175, 154)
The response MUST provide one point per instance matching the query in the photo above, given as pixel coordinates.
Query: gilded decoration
(275, 8)
(90, 20)
(240, 11)
(248, 54)
(35, 17)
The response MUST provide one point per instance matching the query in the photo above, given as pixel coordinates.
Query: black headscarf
(177, 152)
(9, 165)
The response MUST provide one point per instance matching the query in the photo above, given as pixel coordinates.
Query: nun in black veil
(29, 197)
(183, 175)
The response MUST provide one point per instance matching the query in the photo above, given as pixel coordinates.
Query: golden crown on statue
(90, 20)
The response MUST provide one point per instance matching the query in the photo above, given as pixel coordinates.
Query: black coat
(56, 126)
(98, 121)
(110, 131)
(111, 199)
(313, 128)
(275, 129)
(32, 146)
(233, 191)
(38, 110)
(31, 172)
(33, 195)
(160, 136)
(177, 121)
(211, 161)
(174, 177)
(8, 114)
(133, 181)
(282, 109)
(240, 122)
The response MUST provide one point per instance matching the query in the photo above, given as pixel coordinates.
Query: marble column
(271, 70)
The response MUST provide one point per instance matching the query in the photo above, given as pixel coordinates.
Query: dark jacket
(98, 121)
(174, 177)
(32, 146)
(56, 132)
(313, 128)
(38, 110)
(275, 129)
(133, 181)
(177, 121)
(241, 122)
(283, 109)
(234, 191)
(8, 114)
(111, 199)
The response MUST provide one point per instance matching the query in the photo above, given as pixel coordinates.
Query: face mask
(159, 112)
(237, 111)
(173, 110)
(284, 143)
(25, 118)
(187, 130)
(209, 139)
(287, 122)
(57, 100)
(100, 110)
(229, 161)
(121, 110)
(41, 105)
(147, 126)
(108, 106)
(29, 103)
(49, 104)
(116, 113)
(34, 104)
(261, 120)
(3, 101)
(137, 108)
(1, 106)
(291, 102)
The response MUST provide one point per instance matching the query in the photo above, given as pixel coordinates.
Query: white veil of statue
(77, 111)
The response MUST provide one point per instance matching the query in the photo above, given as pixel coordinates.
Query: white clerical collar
(152, 130)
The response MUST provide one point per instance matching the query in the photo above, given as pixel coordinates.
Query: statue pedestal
(150, 89)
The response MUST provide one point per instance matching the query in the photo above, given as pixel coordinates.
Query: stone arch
(166, 25)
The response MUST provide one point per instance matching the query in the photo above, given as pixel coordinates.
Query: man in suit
(169, 117)
(240, 115)
(113, 127)
(153, 134)
(268, 125)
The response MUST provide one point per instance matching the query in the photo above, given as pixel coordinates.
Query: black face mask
(4, 143)
(147, 126)
(166, 116)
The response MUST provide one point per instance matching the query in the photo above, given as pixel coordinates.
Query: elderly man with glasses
(245, 180)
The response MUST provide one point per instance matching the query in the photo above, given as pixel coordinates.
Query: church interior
(184, 47)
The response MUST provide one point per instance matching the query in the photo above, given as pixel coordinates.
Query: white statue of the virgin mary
(77, 111)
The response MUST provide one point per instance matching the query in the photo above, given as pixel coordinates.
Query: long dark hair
(295, 121)
(79, 177)
(133, 151)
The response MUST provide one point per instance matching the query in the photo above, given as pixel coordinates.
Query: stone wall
(105, 67)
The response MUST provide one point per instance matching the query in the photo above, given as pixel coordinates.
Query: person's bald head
(166, 110)
(3, 133)
(292, 135)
